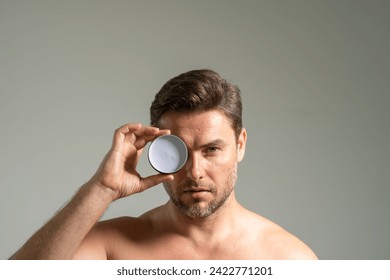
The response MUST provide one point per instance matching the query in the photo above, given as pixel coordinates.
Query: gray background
(315, 82)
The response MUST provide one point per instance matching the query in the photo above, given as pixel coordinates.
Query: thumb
(153, 180)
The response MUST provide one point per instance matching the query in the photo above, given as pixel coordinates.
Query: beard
(199, 207)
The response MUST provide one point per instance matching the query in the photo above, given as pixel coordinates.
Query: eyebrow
(217, 142)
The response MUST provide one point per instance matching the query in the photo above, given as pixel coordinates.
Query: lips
(196, 187)
(197, 190)
(193, 190)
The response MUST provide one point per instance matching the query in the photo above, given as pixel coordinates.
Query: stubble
(196, 208)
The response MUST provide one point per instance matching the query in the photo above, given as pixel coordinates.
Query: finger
(141, 141)
(133, 162)
(129, 127)
(132, 132)
(129, 133)
(154, 180)
(138, 129)
(133, 137)
(138, 132)
(123, 131)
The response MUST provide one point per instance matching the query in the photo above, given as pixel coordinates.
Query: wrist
(100, 192)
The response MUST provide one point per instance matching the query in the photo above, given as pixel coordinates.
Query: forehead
(197, 125)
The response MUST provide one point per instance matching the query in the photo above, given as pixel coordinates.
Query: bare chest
(182, 249)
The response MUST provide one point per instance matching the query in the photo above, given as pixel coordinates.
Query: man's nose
(193, 167)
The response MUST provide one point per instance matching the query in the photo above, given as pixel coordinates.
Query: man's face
(209, 175)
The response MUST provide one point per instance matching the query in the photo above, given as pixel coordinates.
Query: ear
(241, 142)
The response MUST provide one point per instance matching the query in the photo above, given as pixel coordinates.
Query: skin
(201, 220)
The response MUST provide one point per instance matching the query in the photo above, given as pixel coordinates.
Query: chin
(197, 209)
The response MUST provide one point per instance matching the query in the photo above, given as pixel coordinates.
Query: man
(201, 220)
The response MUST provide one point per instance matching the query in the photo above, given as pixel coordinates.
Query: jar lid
(167, 154)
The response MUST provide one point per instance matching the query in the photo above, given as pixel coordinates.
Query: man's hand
(62, 236)
(117, 173)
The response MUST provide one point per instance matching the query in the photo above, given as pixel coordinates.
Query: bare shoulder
(285, 245)
(279, 243)
(106, 235)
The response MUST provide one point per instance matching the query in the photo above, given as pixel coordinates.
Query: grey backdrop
(315, 83)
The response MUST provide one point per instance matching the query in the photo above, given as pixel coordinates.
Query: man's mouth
(196, 190)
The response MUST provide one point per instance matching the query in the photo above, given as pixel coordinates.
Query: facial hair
(195, 209)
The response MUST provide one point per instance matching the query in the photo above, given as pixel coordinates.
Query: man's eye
(212, 149)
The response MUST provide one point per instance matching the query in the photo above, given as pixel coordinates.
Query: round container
(167, 154)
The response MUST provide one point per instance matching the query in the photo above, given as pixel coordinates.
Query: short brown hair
(199, 91)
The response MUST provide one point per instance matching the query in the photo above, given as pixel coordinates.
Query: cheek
(170, 188)
(223, 160)
(221, 166)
